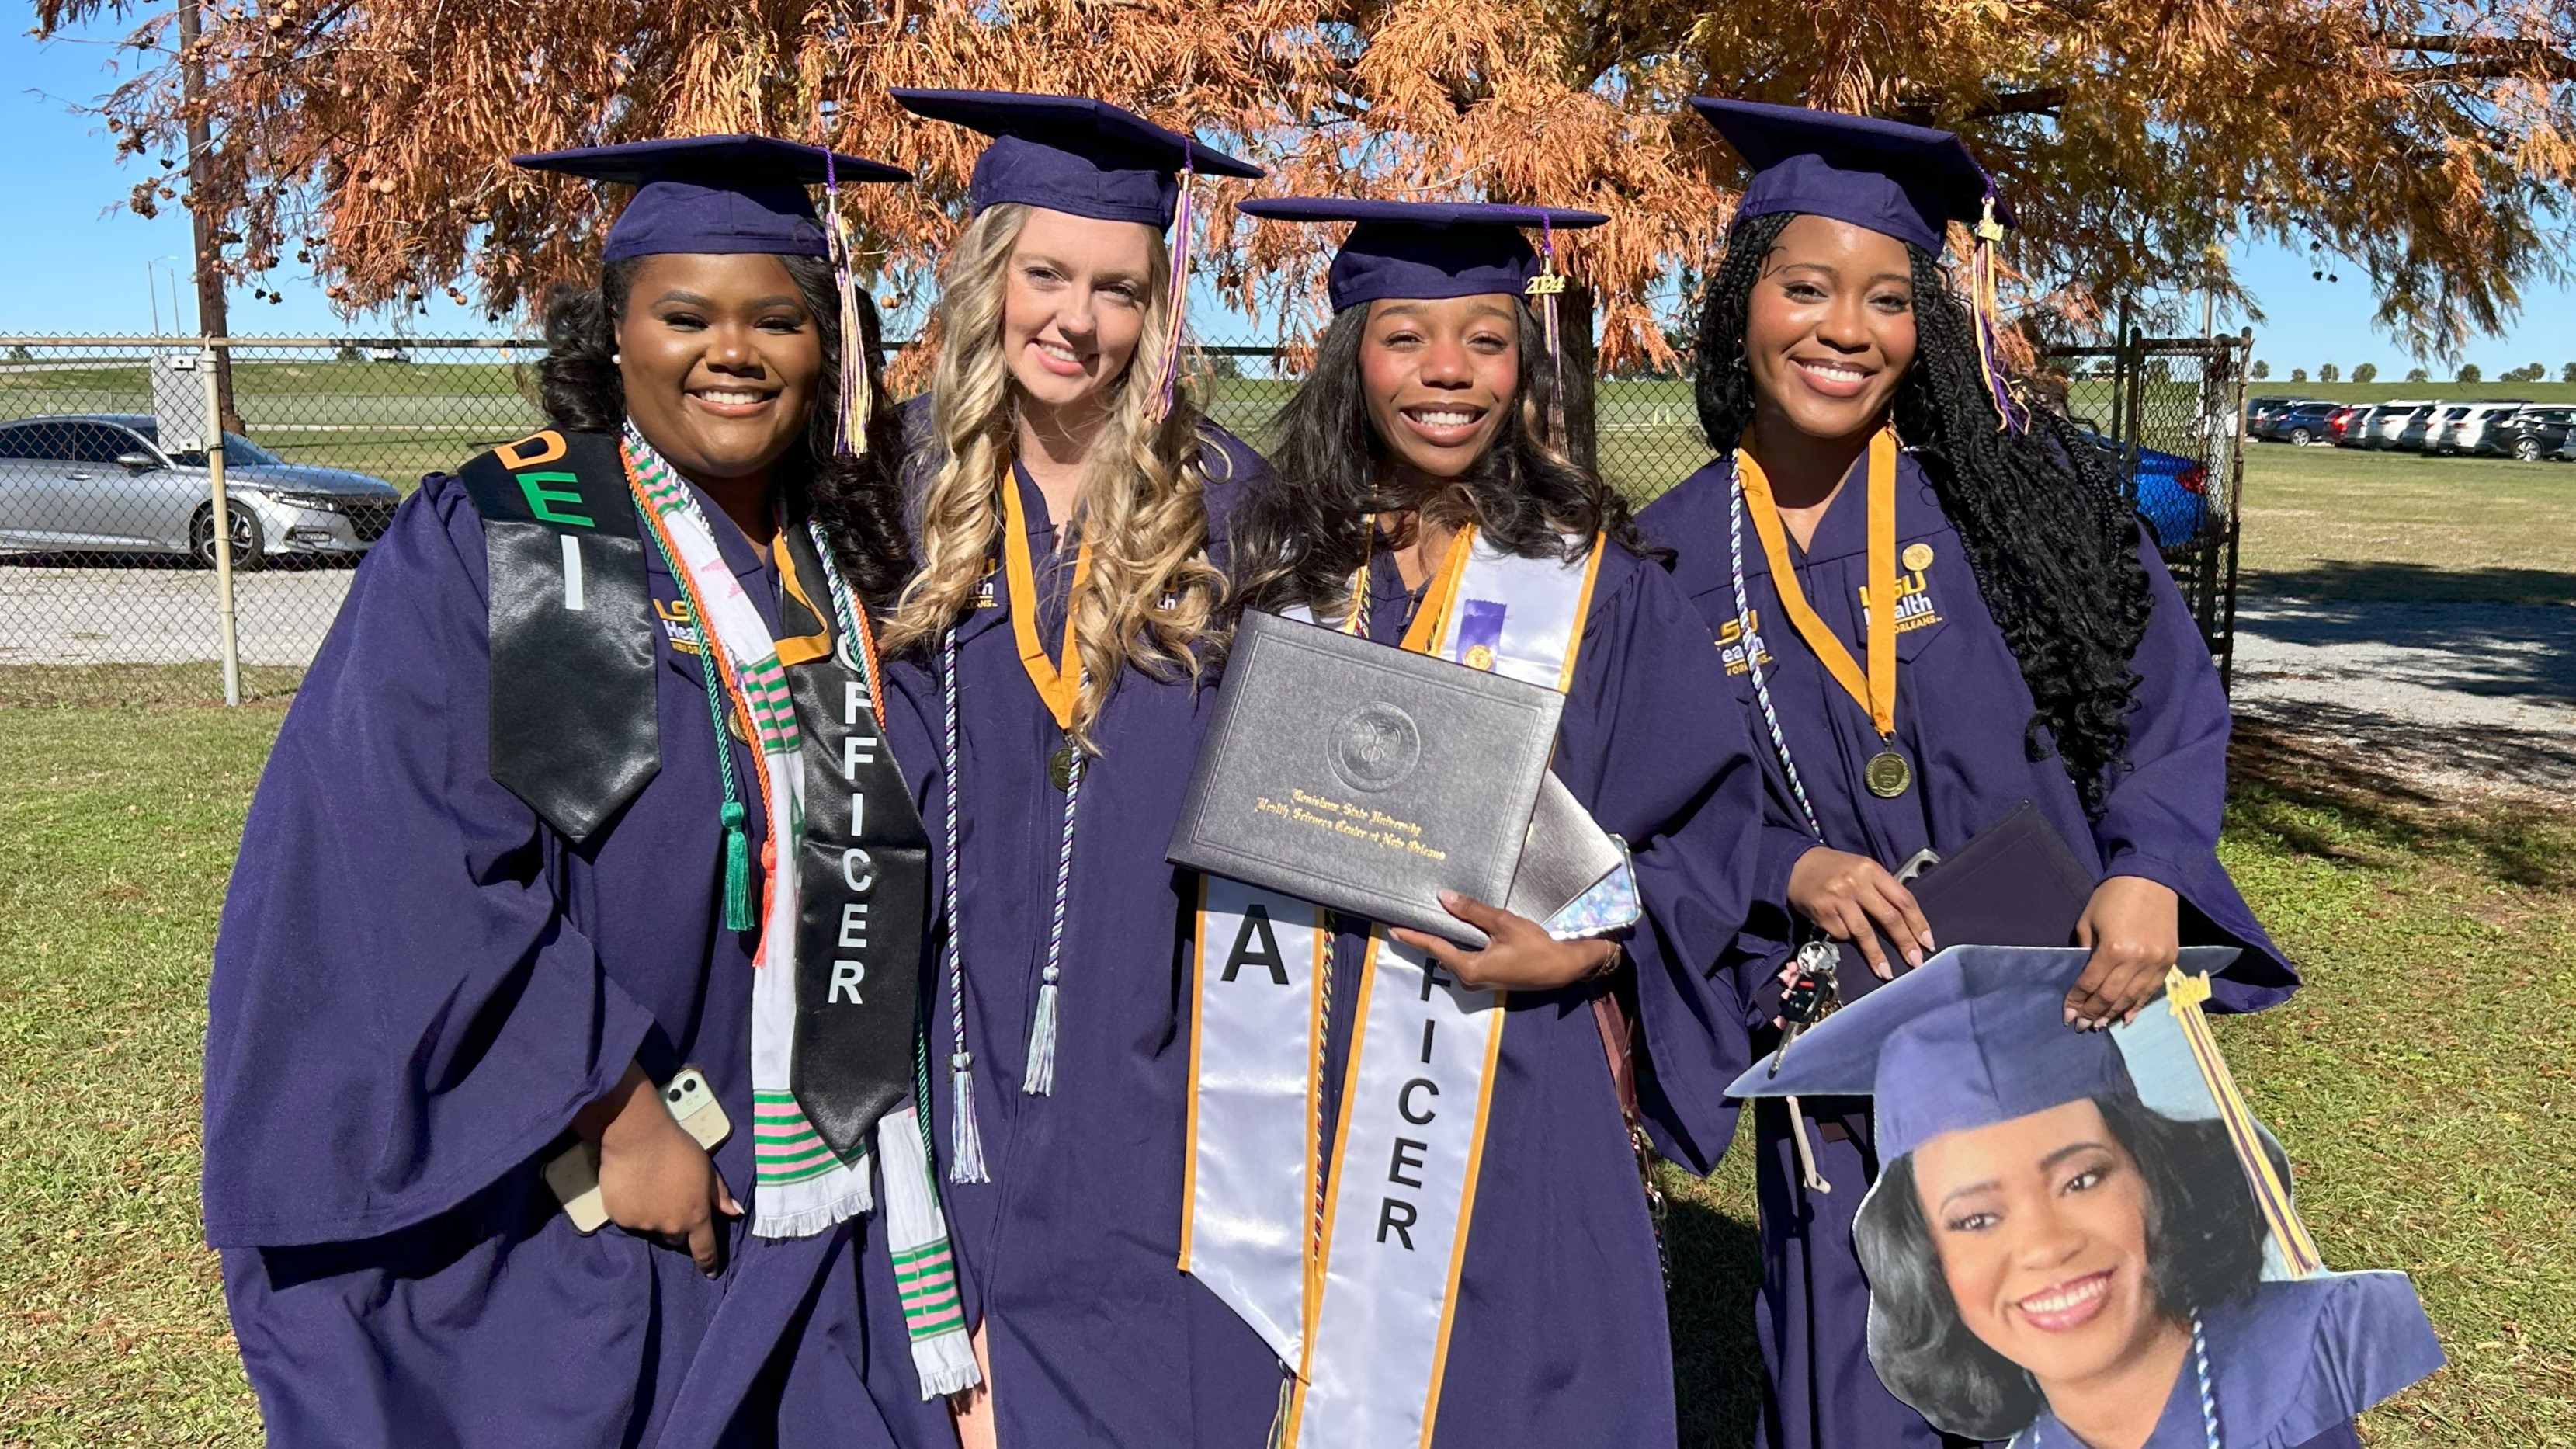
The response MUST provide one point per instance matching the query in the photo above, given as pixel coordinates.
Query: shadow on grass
(1717, 1367)
(2320, 797)
(2344, 581)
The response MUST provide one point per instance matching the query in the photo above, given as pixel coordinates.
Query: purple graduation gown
(416, 984)
(2290, 1365)
(1560, 1335)
(1067, 1254)
(1961, 710)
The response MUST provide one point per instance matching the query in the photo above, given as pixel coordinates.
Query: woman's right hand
(1847, 895)
(654, 1178)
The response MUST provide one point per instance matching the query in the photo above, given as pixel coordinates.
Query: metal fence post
(223, 525)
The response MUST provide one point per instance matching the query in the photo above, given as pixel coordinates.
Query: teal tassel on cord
(737, 882)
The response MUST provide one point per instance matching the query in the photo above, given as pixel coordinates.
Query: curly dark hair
(2042, 515)
(859, 501)
(2204, 1248)
(1300, 538)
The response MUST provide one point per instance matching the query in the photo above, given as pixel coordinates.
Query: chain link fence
(108, 514)
(107, 499)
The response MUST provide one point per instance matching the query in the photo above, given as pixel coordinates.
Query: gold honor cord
(1887, 773)
(2183, 996)
(1058, 680)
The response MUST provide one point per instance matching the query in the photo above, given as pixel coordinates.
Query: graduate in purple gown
(1053, 662)
(1421, 501)
(514, 861)
(2056, 1261)
(2029, 647)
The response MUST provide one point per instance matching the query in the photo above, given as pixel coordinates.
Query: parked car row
(2493, 427)
(100, 483)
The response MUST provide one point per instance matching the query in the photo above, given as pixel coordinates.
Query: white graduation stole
(1355, 1294)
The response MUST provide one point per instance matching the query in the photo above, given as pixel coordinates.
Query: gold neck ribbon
(1875, 691)
(1421, 636)
(1059, 680)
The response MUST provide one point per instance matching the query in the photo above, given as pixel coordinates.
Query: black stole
(573, 730)
(862, 873)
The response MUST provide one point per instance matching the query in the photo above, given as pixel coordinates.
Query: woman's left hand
(1519, 954)
(2134, 928)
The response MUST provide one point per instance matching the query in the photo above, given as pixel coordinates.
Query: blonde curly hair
(1153, 596)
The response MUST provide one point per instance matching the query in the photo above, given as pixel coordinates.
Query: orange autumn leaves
(2432, 144)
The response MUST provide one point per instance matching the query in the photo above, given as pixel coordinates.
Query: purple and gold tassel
(1547, 286)
(858, 399)
(1169, 365)
(1983, 302)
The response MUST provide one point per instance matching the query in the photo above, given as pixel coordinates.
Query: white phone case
(574, 1172)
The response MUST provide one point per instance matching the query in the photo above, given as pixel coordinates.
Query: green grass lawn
(2337, 523)
(2424, 1081)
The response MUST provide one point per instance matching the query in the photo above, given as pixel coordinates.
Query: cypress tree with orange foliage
(2432, 144)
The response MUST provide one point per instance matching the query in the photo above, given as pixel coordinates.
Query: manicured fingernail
(2071, 1018)
(1449, 898)
(1913, 958)
(1926, 939)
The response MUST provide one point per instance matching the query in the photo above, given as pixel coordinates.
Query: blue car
(2172, 490)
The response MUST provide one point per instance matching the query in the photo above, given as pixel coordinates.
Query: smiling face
(1830, 328)
(1073, 305)
(2041, 1224)
(1438, 376)
(720, 360)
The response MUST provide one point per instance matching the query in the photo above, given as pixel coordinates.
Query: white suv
(2462, 430)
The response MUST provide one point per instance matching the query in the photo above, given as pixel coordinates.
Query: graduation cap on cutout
(714, 194)
(1972, 1037)
(1426, 250)
(1073, 154)
(1908, 182)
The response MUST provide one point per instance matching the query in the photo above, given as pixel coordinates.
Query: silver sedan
(100, 483)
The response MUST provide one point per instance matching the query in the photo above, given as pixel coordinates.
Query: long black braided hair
(859, 501)
(1300, 539)
(2042, 515)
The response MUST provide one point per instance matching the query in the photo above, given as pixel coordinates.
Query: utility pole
(211, 319)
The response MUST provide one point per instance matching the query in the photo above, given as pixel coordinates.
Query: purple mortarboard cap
(718, 195)
(1975, 1036)
(1425, 250)
(1908, 182)
(1073, 154)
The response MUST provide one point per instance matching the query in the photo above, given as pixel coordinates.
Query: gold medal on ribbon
(1887, 774)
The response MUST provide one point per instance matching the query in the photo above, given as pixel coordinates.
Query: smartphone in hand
(574, 1172)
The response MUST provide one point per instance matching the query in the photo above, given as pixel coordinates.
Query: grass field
(2424, 1081)
(2334, 523)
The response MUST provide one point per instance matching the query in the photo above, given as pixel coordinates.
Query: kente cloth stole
(1352, 1278)
(835, 971)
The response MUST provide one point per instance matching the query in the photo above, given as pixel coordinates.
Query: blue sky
(79, 263)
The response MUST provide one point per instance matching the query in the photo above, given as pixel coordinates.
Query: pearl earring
(616, 359)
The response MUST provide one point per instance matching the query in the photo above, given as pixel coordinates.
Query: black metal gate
(2173, 408)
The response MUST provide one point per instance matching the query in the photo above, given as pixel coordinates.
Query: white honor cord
(1038, 1079)
(965, 1137)
(2200, 1370)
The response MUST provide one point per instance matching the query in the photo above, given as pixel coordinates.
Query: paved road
(2475, 698)
(54, 615)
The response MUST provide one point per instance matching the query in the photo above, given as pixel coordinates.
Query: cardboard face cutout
(2090, 1229)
